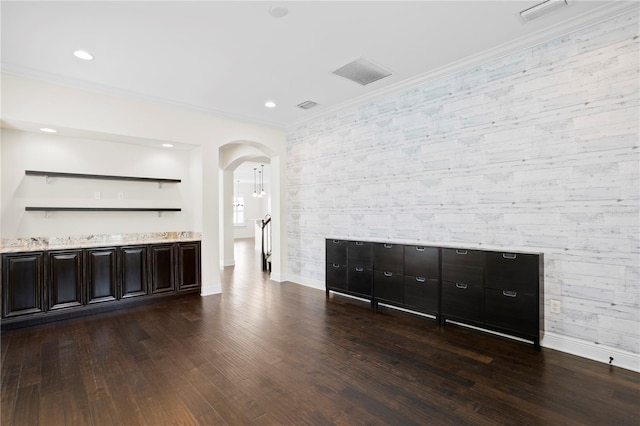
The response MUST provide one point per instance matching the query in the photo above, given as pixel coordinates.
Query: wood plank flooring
(280, 354)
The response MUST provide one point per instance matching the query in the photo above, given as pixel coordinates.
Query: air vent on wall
(362, 72)
(307, 105)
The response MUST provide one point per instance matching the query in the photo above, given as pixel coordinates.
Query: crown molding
(602, 14)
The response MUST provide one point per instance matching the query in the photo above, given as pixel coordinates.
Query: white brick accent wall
(537, 151)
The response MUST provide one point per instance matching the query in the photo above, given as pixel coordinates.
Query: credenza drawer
(511, 309)
(463, 300)
(388, 286)
(420, 261)
(512, 271)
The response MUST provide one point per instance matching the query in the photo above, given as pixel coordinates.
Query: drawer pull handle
(388, 274)
(510, 256)
(358, 243)
(359, 269)
(461, 285)
(420, 248)
(509, 293)
(458, 251)
(420, 279)
(336, 265)
(388, 245)
(336, 241)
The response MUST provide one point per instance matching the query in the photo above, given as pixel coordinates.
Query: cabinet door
(512, 310)
(388, 287)
(388, 257)
(420, 261)
(161, 262)
(360, 280)
(512, 271)
(463, 266)
(360, 252)
(463, 301)
(336, 251)
(336, 276)
(64, 279)
(101, 275)
(421, 294)
(133, 270)
(188, 266)
(22, 289)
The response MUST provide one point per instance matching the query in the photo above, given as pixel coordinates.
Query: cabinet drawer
(421, 294)
(420, 261)
(388, 286)
(463, 266)
(360, 280)
(464, 301)
(360, 252)
(336, 276)
(388, 257)
(512, 271)
(336, 251)
(512, 310)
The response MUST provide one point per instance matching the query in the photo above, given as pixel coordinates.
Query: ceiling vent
(362, 72)
(307, 105)
(542, 9)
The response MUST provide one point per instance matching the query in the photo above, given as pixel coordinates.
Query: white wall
(38, 103)
(39, 151)
(535, 151)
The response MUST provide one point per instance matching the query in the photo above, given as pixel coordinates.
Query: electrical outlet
(554, 306)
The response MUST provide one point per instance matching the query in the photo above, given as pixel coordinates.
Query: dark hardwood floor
(279, 353)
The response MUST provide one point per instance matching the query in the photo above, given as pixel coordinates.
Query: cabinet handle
(458, 251)
(336, 241)
(336, 265)
(420, 248)
(388, 245)
(358, 243)
(510, 256)
(461, 285)
(420, 279)
(509, 293)
(388, 274)
(359, 269)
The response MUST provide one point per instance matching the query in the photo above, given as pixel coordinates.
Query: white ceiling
(230, 57)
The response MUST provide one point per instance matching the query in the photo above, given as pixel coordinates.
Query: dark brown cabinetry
(133, 271)
(44, 286)
(188, 266)
(22, 284)
(496, 291)
(101, 278)
(162, 267)
(63, 277)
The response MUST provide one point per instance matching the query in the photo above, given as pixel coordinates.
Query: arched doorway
(232, 156)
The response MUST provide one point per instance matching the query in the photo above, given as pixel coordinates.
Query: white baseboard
(227, 262)
(209, 290)
(278, 277)
(593, 351)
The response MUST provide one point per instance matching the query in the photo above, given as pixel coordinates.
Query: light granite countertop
(26, 244)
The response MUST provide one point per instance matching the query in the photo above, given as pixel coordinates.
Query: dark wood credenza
(43, 286)
(497, 291)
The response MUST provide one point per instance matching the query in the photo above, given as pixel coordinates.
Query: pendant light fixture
(255, 183)
(262, 181)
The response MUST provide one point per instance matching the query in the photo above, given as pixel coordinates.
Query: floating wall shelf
(100, 177)
(99, 209)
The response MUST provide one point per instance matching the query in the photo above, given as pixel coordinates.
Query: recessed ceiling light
(81, 54)
(47, 130)
(167, 145)
(270, 104)
(278, 11)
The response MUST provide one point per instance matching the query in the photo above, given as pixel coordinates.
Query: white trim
(227, 262)
(208, 291)
(278, 277)
(593, 351)
(307, 282)
(604, 13)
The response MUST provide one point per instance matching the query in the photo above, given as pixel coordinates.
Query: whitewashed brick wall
(536, 151)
